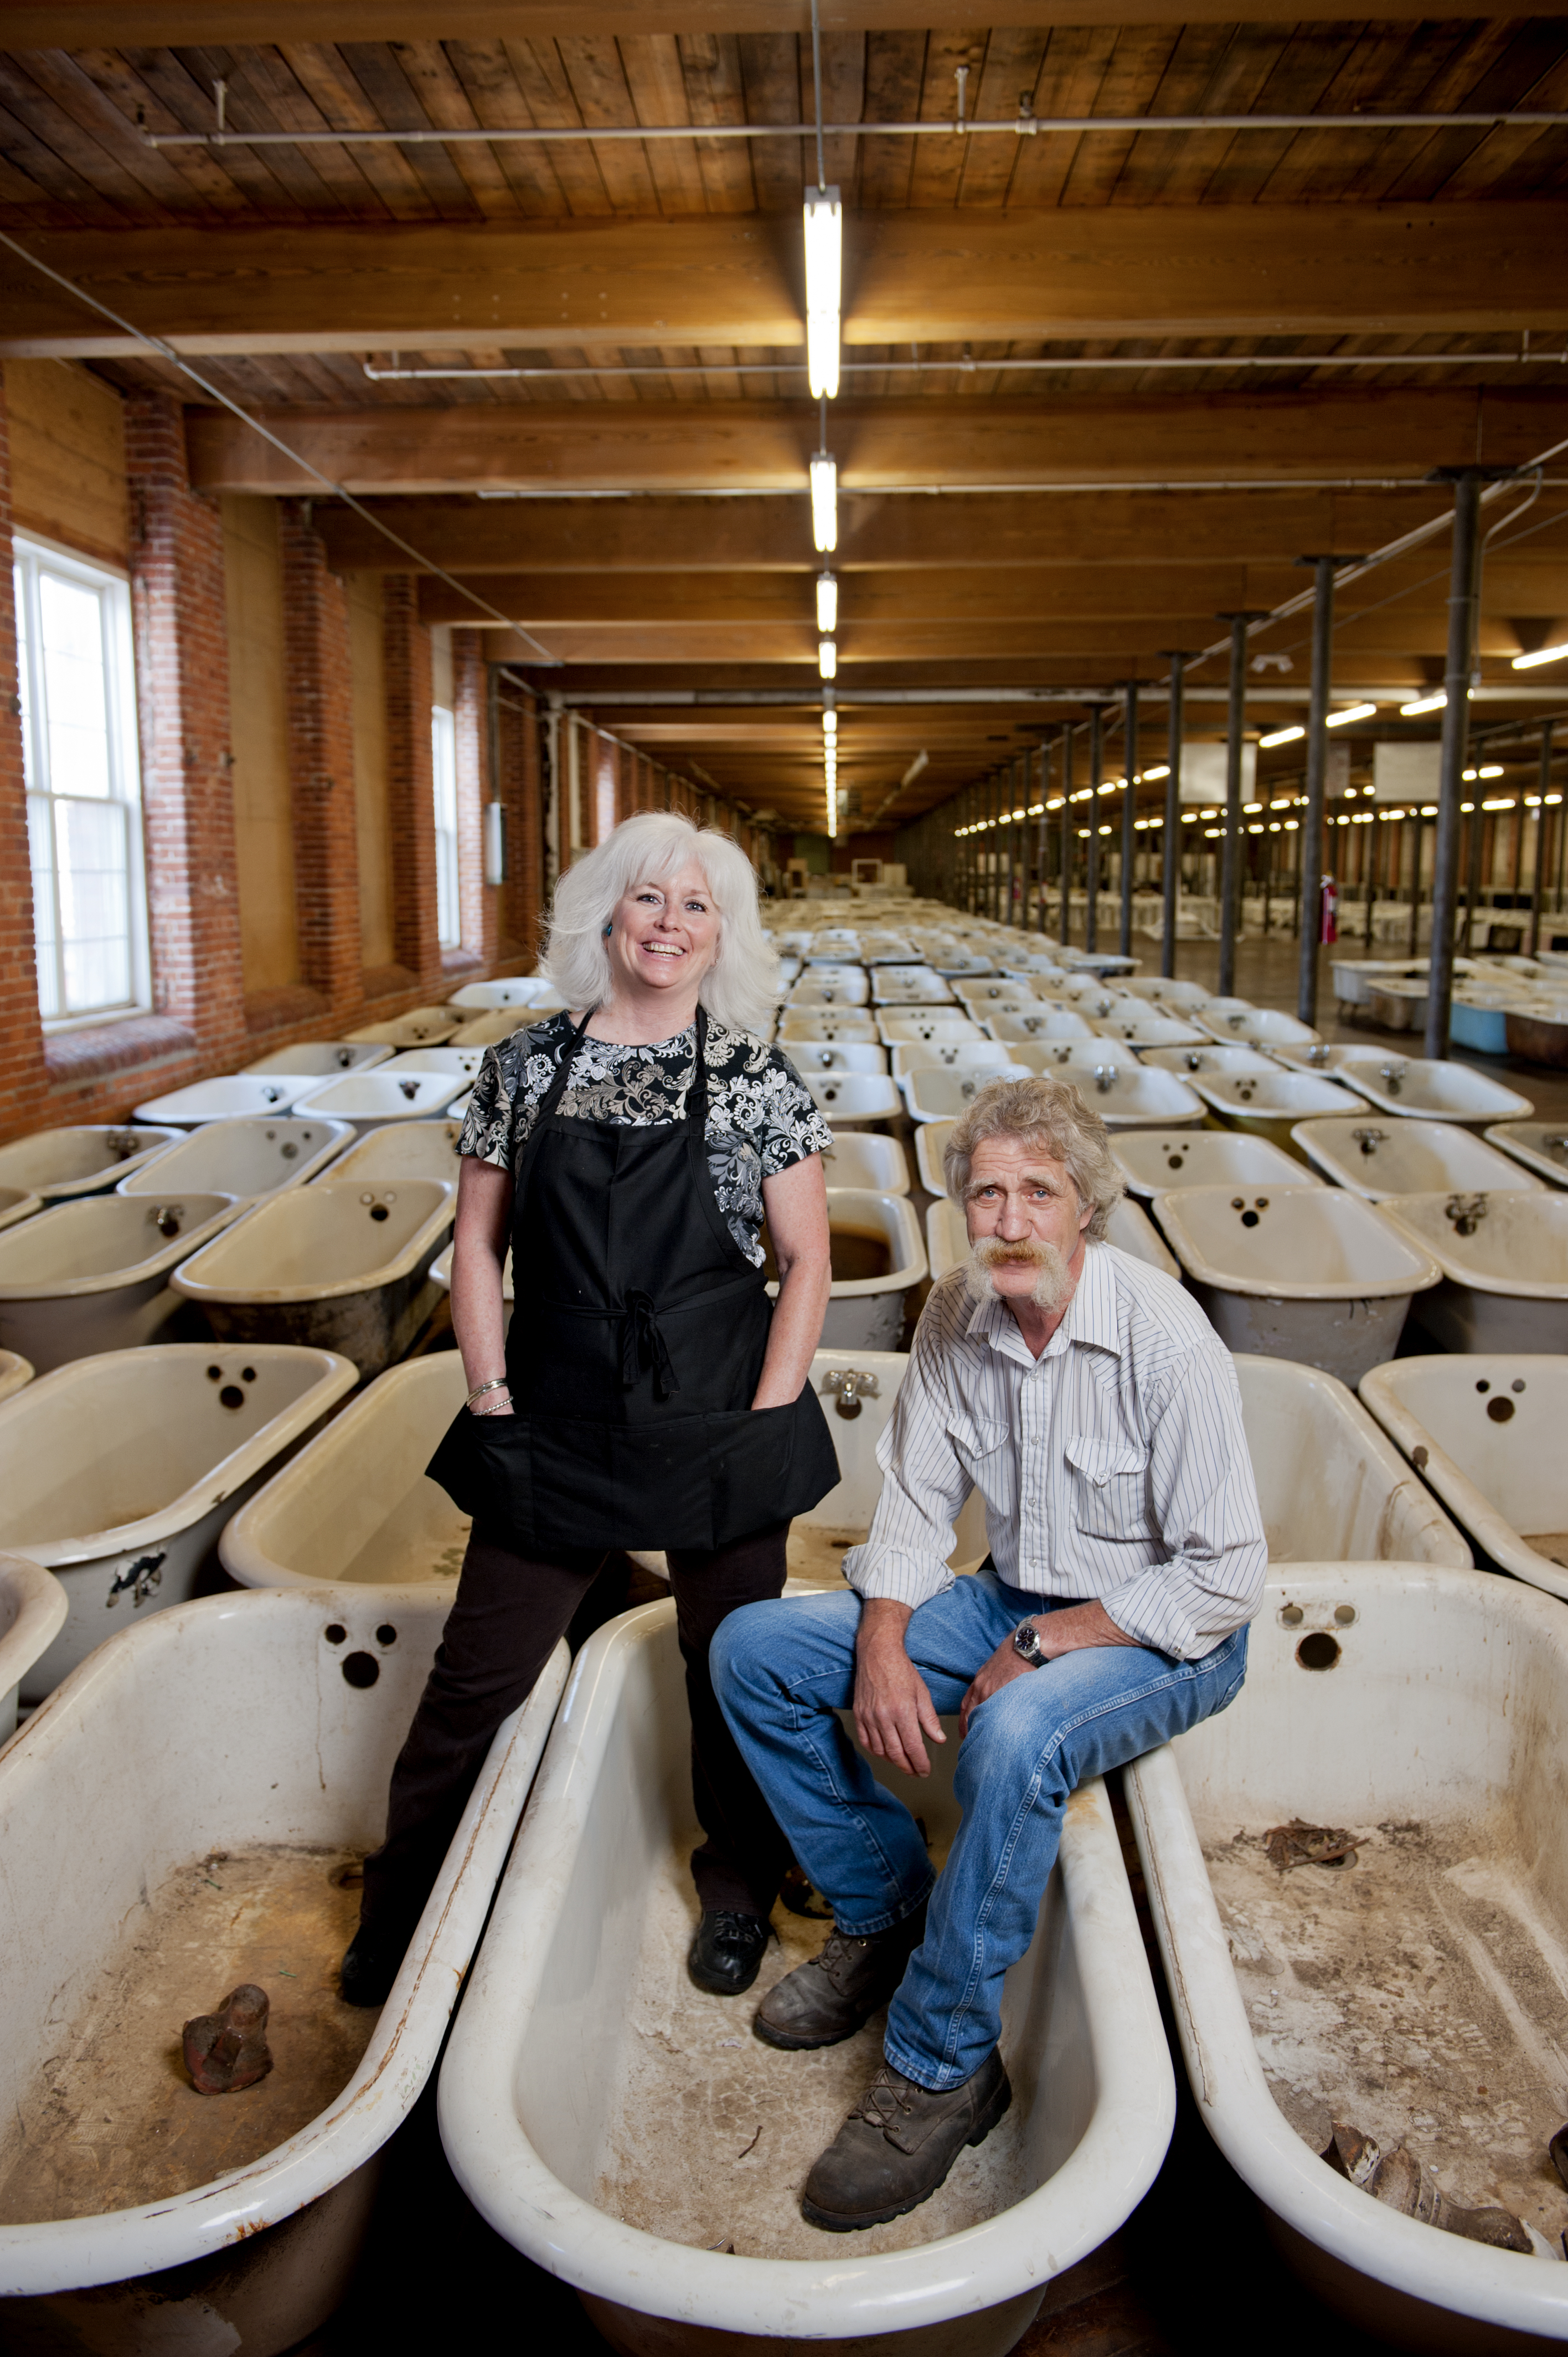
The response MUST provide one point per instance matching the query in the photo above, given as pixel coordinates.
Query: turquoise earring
(608, 930)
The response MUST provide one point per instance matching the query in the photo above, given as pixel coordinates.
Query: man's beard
(1053, 1278)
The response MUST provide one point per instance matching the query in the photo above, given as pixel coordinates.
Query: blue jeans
(782, 1672)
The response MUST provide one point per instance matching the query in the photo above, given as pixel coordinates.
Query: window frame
(33, 555)
(448, 861)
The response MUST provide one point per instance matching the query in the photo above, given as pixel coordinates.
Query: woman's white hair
(740, 987)
(1048, 1114)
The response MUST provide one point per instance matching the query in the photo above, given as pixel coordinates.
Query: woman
(647, 1394)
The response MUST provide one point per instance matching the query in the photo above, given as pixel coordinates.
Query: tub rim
(291, 1086)
(1515, 1108)
(1284, 1288)
(887, 1018)
(1468, 1504)
(340, 1137)
(1527, 1155)
(259, 1071)
(362, 1138)
(1212, 1088)
(96, 1182)
(25, 1208)
(337, 1376)
(514, 2190)
(1221, 2059)
(69, 2254)
(1459, 1271)
(196, 1288)
(140, 1272)
(908, 1087)
(882, 1111)
(1289, 1172)
(1156, 1032)
(1339, 1174)
(43, 1608)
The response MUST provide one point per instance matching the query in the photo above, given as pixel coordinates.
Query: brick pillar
(478, 902)
(21, 1032)
(411, 808)
(182, 698)
(319, 693)
(520, 788)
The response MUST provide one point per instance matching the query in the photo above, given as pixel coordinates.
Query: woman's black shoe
(724, 1956)
(366, 1974)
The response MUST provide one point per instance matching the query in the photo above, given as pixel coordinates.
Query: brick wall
(21, 1034)
(410, 785)
(318, 689)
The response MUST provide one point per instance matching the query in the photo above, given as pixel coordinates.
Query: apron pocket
(766, 1465)
(642, 1485)
(483, 1466)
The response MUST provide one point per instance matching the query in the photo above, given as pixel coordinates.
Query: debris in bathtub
(1558, 2149)
(726, 2249)
(801, 1896)
(1299, 1844)
(228, 2050)
(1398, 2180)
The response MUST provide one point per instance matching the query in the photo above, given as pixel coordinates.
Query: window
(79, 758)
(443, 766)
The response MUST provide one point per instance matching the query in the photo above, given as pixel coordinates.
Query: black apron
(637, 1335)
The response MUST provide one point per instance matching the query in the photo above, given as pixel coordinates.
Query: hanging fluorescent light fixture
(1541, 655)
(827, 605)
(1281, 737)
(824, 279)
(830, 722)
(827, 659)
(1351, 712)
(1424, 704)
(832, 808)
(824, 502)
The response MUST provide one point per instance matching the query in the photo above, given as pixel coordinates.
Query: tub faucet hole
(334, 1632)
(1316, 1650)
(247, 1374)
(214, 1374)
(230, 1396)
(363, 1669)
(1345, 1614)
(1518, 1383)
(1292, 1615)
(1483, 1385)
(1499, 1409)
(386, 1634)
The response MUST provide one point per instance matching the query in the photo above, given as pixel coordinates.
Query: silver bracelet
(496, 1383)
(507, 1410)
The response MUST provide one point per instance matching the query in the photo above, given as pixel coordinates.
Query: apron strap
(697, 1092)
(643, 1345)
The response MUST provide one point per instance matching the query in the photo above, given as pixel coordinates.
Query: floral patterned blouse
(761, 1115)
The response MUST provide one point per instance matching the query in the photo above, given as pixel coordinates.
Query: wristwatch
(1026, 1644)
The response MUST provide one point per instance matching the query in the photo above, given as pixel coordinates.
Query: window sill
(117, 1047)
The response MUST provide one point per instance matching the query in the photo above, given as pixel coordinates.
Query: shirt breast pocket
(975, 1440)
(1110, 1488)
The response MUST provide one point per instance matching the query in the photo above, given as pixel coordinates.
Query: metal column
(1312, 852)
(1170, 882)
(1044, 797)
(1066, 879)
(1542, 823)
(1091, 880)
(1230, 861)
(1464, 594)
(1129, 813)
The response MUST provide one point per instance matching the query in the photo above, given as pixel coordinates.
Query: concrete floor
(1191, 2272)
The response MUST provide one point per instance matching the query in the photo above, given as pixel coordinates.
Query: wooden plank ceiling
(570, 372)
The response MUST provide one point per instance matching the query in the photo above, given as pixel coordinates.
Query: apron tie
(643, 1345)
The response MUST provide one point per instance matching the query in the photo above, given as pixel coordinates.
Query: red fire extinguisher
(1330, 902)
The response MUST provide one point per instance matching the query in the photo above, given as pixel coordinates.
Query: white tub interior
(1376, 1155)
(224, 1099)
(936, 1023)
(858, 1389)
(356, 1504)
(1331, 1487)
(490, 1030)
(175, 1428)
(1113, 1084)
(1417, 1993)
(16, 1373)
(1540, 1146)
(464, 1062)
(18, 1204)
(862, 1157)
(942, 1096)
(32, 1609)
(422, 1026)
(371, 1098)
(827, 1023)
(598, 2108)
(103, 1241)
(246, 1156)
(88, 1160)
(849, 1097)
(1486, 1430)
(401, 1149)
(1291, 1243)
(507, 990)
(835, 1055)
(1037, 1022)
(1517, 1241)
(323, 1057)
(1152, 1161)
(949, 1056)
(335, 1237)
(1428, 1090)
(1271, 1096)
(1213, 1058)
(906, 985)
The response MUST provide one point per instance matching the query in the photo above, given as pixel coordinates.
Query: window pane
(444, 774)
(94, 905)
(75, 694)
(24, 683)
(40, 842)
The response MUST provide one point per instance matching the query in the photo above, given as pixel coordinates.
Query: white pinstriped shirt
(1113, 1466)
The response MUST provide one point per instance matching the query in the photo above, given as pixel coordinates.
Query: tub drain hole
(1317, 1651)
(230, 1396)
(380, 1211)
(363, 1669)
(1499, 1409)
(1249, 1219)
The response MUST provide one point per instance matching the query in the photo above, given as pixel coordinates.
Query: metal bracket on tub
(1465, 1212)
(137, 1580)
(847, 1386)
(1369, 1140)
(1395, 1076)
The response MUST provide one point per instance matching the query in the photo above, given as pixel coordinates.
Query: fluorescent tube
(824, 278)
(824, 502)
(827, 605)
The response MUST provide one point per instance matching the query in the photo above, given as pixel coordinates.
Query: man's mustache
(1052, 1281)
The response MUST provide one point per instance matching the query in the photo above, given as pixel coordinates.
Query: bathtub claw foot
(228, 2050)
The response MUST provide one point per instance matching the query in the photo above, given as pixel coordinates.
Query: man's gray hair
(1048, 1114)
(738, 987)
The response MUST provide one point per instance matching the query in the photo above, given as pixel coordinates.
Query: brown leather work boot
(824, 2001)
(897, 2145)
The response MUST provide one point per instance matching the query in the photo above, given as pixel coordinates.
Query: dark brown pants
(509, 1616)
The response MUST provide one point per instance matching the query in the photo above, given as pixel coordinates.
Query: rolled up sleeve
(1205, 1502)
(923, 1491)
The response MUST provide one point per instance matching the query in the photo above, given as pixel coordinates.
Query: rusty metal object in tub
(228, 2050)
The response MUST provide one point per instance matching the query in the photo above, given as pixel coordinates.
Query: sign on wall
(1406, 774)
(1203, 773)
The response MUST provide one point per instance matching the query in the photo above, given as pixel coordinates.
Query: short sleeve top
(761, 1115)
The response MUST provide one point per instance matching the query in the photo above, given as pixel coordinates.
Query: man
(1089, 1400)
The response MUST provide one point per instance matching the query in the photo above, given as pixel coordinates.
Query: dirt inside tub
(111, 2119)
(1417, 1994)
(714, 2134)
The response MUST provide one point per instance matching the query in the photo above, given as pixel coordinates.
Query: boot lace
(888, 2099)
(838, 1957)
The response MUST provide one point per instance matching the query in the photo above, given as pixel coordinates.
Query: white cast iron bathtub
(559, 2103)
(142, 1890)
(1416, 1994)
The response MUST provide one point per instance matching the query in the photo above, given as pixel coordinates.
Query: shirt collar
(1091, 1315)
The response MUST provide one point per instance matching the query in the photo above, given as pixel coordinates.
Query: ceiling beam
(948, 276)
(636, 446)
